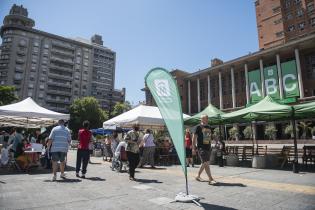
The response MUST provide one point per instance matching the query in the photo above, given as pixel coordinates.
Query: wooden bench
(283, 154)
(261, 150)
(308, 155)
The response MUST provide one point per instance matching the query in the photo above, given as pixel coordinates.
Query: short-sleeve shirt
(203, 133)
(132, 146)
(16, 140)
(85, 138)
(61, 138)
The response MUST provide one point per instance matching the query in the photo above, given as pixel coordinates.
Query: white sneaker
(63, 176)
(54, 178)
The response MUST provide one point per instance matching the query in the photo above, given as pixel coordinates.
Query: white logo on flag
(270, 72)
(162, 87)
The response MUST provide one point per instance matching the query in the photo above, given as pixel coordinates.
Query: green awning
(213, 113)
(306, 110)
(265, 110)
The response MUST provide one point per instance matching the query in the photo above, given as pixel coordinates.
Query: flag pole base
(184, 198)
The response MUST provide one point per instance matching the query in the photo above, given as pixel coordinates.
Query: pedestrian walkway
(237, 188)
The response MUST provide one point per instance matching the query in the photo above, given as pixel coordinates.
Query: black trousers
(83, 157)
(133, 159)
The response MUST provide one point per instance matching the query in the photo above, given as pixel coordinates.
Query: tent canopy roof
(306, 110)
(214, 115)
(265, 110)
(27, 111)
(144, 116)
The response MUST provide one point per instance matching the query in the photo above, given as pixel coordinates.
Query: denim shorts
(58, 156)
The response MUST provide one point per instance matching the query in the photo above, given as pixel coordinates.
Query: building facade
(51, 69)
(281, 21)
(286, 72)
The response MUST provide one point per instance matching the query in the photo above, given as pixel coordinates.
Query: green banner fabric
(165, 93)
(254, 82)
(290, 80)
(272, 82)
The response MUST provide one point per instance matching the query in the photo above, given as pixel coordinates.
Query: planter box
(259, 161)
(213, 157)
(232, 160)
(272, 161)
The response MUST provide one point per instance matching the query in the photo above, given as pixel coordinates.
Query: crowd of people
(131, 148)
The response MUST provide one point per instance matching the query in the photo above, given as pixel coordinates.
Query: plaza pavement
(237, 188)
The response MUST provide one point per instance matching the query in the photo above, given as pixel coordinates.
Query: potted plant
(270, 132)
(305, 127)
(248, 133)
(289, 131)
(233, 132)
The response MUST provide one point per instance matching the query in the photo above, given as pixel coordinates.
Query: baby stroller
(120, 160)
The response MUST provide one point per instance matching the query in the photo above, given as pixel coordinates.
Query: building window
(310, 7)
(287, 3)
(312, 22)
(41, 87)
(276, 9)
(289, 16)
(278, 21)
(46, 46)
(30, 93)
(302, 26)
(291, 28)
(36, 44)
(299, 12)
(279, 34)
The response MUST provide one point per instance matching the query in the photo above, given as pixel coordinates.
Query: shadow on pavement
(2, 182)
(95, 163)
(156, 168)
(32, 171)
(148, 181)
(213, 206)
(95, 179)
(224, 184)
(65, 180)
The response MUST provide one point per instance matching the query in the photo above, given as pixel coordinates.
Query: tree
(248, 133)
(86, 108)
(120, 108)
(305, 127)
(7, 95)
(270, 132)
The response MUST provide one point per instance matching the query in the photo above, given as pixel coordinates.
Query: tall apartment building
(281, 21)
(54, 70)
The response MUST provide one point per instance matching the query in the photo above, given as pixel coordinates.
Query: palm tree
(305, 127)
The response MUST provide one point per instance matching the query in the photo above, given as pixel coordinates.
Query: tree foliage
(120, 108)
(7, 95)
(86, 108)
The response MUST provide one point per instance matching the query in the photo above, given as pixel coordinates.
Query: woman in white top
(148, 149)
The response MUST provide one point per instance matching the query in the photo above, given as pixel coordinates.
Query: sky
(173, 34)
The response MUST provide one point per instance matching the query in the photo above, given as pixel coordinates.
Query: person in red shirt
(188, 146)
(83, 153)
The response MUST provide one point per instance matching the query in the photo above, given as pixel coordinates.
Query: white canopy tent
(29, 114)
(144, 116)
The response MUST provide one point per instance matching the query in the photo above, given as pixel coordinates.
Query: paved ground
(238, 188)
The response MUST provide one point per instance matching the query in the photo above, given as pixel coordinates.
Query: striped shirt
(61, 137)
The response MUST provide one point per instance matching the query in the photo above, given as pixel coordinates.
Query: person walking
(148, 149)
(132, 139)
(188, 146)
(202, 140)
(59, 141)
(83, 153)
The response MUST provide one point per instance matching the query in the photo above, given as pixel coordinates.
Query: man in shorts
(59, 140)
(202, 139)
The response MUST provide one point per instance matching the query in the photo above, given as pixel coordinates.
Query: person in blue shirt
(59, 141)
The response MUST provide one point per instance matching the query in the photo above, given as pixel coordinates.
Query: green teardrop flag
(165, 93)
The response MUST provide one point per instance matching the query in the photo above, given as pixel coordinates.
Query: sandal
(212, 182)
(199, 179)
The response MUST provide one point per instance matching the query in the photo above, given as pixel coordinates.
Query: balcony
(20, 61)
(62, 45)
(54, 66)
(62, 52)
(59, 101)
(60, 76)
(59, 92)
(60, 60)
(65, 84)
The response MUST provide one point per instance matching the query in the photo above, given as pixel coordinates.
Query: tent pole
(186, 184)
(296, 161)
